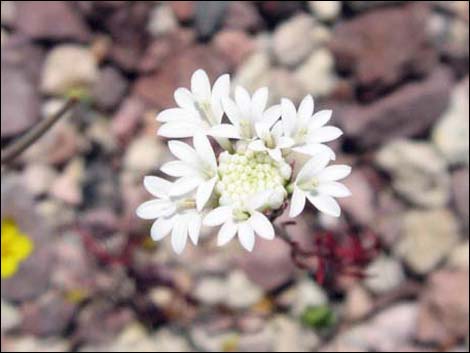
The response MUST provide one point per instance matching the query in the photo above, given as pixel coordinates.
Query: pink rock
(234, 45)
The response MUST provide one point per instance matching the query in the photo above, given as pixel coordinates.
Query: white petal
(261, 225)
(257, 145)
(194, 227)
(183, 152)
(246, 236)
(226, 233)
(185, 184)
(161, 228)
(177, 169)
(184, 98)
(297, 203)
(271, 115)
(334, 189)
(325, 204)
(232, 111)
(200, 85)
(284, 142)
(180, 129)
(306, 108)
(313, 166)
(204, 192)
(158, 187)
(259, 200)
(154, 209)
(220, 89)
(204, 149)
(313, 149)
(224, 130)
(218, 216)
(289, 116)
(324, 134)
(334, 172)
(179, 235)
(276, 154)
(259, 100)
(177, 114)
(243, 100)
(319, 119)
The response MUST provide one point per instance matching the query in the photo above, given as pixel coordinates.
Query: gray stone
(428, 237)
(385, 274)
(11, 317)
(307, 293)
(38, 178)
(143, 154)
(419, 173)
(289, 45)
(316, 74)
(241, 291)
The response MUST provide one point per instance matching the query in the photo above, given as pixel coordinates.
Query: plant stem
(19, 146)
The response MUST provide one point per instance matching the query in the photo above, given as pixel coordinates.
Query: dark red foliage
(343, 254)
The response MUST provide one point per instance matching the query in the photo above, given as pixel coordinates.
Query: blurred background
(79, 270)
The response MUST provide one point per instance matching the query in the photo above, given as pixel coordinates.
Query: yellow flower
(16, 247)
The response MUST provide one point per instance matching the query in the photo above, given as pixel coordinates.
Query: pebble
(61, 78)
(427, 239)
(451, 133)
(385, 274)
(325, 10)
(418, 171)
(289, 45)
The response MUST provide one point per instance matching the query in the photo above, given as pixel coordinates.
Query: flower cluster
(252, 177)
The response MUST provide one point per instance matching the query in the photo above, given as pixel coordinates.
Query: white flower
(318, 183)
(196, 168)
(270, 139)
(308, 130)
(245, 219)
(173, 214)
(198, 109)
(244, 113)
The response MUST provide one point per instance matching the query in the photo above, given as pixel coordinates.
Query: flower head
(16, 247)
(175, 214)
(198, 109)
(308, 130)
(318, 183)
(251, 177)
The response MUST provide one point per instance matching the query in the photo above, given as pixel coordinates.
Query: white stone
(325, 10)
(385, 274)
(68, 67)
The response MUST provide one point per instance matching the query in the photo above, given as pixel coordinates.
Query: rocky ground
(396, 77)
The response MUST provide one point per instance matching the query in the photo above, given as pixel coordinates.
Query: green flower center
(244, 174)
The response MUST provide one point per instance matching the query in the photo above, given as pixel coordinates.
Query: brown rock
(48, 316)
(444, 309)
(461, 194)
(163, 47)
(362, 203)
(269, 265)
(50, 20)
(184, 10)
(109, 88)
(409, 111)
(383, 47)
(127, 118)
(157, 89)
(234, 45)
(20, 65)
(243, 15)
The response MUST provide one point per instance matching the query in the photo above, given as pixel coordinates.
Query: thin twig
(19, 146)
